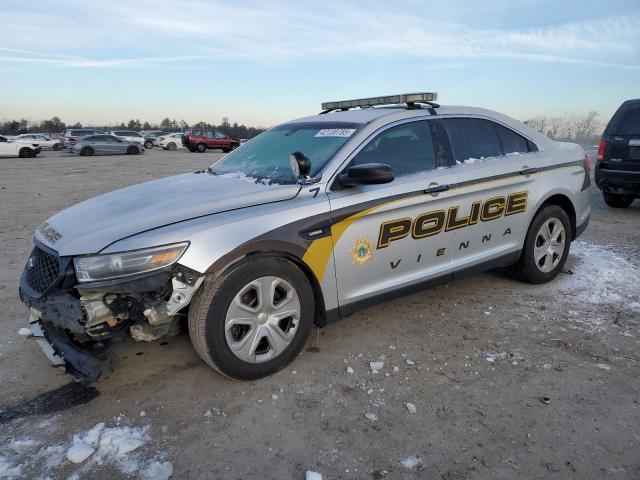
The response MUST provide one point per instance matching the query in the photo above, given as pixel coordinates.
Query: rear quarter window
(512, 142)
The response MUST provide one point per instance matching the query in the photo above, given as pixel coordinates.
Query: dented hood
(92, 225)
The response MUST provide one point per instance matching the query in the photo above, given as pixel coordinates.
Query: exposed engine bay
(76, 324)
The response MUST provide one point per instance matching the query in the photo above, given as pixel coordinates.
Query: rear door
(494, 193)
(622, 149)
(392, 236)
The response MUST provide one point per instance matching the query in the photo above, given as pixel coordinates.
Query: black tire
(192, 149)
(132, 150)
(527, 268)
(616, 200)
(201, 148)
(171, 146)
(25, 152)
(56, 146)
(148, 144)
(87, 151)
(225, 150)
(208, 311)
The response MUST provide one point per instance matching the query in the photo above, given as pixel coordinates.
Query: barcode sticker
(335, 132)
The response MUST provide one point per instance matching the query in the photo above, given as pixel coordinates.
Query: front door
(387, 237)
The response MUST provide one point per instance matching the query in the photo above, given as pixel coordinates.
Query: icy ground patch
(600, 276)
(100, 445)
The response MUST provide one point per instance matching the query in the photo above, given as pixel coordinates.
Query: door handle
(528, 171)
(436, 189)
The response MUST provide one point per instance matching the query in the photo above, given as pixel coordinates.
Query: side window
(208, 134)
(407, 148)
(472, 138)
(512, 142)
(2, 139)
(219, 135)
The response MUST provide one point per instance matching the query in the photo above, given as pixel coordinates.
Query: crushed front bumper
(62, 352)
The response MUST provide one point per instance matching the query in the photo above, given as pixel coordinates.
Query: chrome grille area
(43, 269)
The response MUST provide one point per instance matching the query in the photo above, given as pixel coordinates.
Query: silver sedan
(104, 145)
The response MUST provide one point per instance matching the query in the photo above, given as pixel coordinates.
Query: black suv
(618, 166)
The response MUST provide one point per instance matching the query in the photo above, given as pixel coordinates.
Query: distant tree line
(582, 129)
(55, 125)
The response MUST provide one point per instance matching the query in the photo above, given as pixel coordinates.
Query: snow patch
(25, 332)
(8, 470)
(311, 475)
(411, 462)
(371, 416)
(411, 407)
(600, 276)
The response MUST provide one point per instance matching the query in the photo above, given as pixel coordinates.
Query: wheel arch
(564, 202)
(235, 259)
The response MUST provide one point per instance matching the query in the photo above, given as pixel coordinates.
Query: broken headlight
(114, 265)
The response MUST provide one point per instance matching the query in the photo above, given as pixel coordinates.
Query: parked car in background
(199, 140)
(74, 133)
(242, 141)
(128, 135)
(170, 141)
(105, 145)
(151, 137)
(11, 148)
(618, 160)
(45, 142)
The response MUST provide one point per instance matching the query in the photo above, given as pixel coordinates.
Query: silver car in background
(105, 145)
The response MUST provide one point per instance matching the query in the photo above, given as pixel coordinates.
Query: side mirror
(366, 174)
(300, 165)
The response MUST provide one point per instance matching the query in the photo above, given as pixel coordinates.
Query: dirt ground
(508, 380)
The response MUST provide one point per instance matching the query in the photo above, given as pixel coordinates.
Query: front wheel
(171, 146)
(56, 146)
(253, 320)
(616, 200)
(26, 153)
(132, 150)
(201, 148)
(546, 247)
(148, 144)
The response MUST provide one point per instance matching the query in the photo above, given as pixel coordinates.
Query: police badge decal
(362, 251)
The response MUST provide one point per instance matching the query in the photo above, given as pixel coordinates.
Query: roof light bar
(373, 101)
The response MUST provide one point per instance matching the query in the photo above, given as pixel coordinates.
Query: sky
(261, 63)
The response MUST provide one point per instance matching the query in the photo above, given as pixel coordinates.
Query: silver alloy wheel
(262, 319)
(549, 245)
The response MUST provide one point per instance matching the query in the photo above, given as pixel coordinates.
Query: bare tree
(585, 127)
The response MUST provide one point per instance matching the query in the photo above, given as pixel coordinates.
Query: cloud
(116, 34)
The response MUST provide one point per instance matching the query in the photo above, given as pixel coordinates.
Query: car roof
(385, 115)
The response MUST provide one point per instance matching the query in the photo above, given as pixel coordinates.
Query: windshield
(265, 159)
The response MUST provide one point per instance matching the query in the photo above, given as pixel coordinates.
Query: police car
(309, 222)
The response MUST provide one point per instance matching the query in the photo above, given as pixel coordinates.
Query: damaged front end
(79, 309)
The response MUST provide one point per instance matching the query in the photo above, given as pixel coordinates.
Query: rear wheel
(225, 150)
(25, 153)
(148, 144)
(132, 150)
(171, 146)
(254, 320)
(616, 200)
(87, 151)
(56, 146)
(546, 247)
(201, 148)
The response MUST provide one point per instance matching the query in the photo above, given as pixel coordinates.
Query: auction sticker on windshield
(335, 132)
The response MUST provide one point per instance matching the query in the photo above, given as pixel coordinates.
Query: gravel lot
(508, 380)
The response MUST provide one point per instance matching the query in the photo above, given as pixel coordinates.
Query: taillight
(601, 148)
(587, 163)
